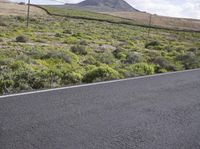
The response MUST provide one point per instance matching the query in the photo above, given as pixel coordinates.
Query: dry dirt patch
(7, 8)
(162, 21)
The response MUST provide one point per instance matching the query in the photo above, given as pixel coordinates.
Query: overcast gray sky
(174, 8)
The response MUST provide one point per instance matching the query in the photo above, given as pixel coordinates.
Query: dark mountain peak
(117, 5)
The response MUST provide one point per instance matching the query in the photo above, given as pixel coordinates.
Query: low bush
(70, 40)
(189, 60)
(3, 22)
(83, 42)
(105, 57)
(58, 35)
(165, 64)
(162, 62)
(133, 58)
(71, 78)
(19, 18)
(6, 83)
(59, 55)
(139, 70)
(80, 50)
(21, 39)
(67, 32)
(119, 54)
(90, 60)
(152, 43)
(101, 73)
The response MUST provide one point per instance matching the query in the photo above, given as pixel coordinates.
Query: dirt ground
(7, 8)
(170, 22)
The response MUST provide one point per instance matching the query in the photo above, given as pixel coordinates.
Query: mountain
(105, 5)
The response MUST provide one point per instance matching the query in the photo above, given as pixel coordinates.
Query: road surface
(157, 112)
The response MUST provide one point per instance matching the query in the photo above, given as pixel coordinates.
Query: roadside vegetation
(58, 51)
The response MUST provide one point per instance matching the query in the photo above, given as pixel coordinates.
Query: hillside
(93, 9)
(60, 51)
(104, 5)
(8, 8)
(156, 20)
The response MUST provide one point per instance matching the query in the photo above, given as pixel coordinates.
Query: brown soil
(7, 8)
(170, 22)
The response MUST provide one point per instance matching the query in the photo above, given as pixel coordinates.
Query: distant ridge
(104, 5)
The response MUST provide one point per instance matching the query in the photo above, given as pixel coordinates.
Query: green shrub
(80, 50)
(195, 50)
(39, 80)
(139, 70)
(2, 22)
(6, 83)
(58, 35)
(105, 57)
(36, 53)
(24, 58)
(101, 73)
(19, 18)
(119, 54)
(189, 60)
(21, 39)
(59, 55)
(71, 78)
(133, 58)
(162, 62)
(67, 32)
(70, 40)
(90, 60)
(16, 65)
(152, 43)
(83, 42)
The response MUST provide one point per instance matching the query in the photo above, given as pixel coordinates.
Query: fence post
(150, 21)
(28, 14)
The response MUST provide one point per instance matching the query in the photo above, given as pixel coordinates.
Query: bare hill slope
(8, 8)
(169, 22)
(104, 5)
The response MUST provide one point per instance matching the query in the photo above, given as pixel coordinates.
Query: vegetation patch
(59, 51)
(21, 39)
(101, 73)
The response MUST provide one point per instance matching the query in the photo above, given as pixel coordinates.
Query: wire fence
(143, 19)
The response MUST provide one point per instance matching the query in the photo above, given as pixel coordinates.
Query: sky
(173, 8)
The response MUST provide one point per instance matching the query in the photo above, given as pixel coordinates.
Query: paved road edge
(94, 84)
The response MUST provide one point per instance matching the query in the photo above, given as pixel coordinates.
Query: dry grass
(140, 17)
(17, 10)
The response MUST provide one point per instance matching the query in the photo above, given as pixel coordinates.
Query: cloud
(174, 8)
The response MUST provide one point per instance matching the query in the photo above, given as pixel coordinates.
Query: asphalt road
(160, 112)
